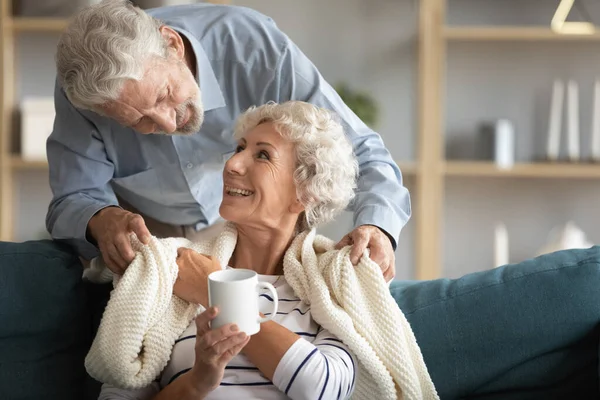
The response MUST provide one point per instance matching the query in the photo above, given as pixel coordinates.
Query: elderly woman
(293, 170)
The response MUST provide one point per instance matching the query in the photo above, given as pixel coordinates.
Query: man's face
(166, 100)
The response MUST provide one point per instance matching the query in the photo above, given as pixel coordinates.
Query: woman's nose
(236, 164)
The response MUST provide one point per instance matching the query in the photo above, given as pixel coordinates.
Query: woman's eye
(238, 149)
(263, 154)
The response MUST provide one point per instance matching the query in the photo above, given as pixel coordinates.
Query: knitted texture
(354, 303)
(143, 318)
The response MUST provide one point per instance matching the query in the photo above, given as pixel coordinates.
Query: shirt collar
(212, 96)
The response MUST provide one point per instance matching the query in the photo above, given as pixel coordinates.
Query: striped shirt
(317, 366)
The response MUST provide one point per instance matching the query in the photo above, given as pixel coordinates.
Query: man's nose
(166, 119)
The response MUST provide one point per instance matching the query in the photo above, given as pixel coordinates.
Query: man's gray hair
(326, 169)
(104, 45)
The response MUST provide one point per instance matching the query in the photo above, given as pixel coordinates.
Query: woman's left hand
(192, 281)
(380, 248)
(214, 349)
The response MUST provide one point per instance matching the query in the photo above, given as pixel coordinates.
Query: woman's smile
(237, 192)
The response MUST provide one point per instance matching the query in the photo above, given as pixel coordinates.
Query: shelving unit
(529, 170)
(11, 163)
(17, 163)
(520, 34)
(434, 36)
(20, 24)
(7, 101)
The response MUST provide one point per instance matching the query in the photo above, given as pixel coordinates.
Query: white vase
(569, 237)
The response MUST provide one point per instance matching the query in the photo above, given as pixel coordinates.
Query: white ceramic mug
(235, 293)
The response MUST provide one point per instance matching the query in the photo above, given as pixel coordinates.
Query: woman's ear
(297, 207)
(174, 41)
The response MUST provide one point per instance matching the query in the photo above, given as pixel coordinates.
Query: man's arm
(381, 198)
(79, 176)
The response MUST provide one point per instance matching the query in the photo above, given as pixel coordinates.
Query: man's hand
(380, 248)
(192, 281)
(110, 228)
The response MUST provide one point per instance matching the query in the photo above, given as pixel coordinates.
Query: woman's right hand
(214, 349)
(192, 279)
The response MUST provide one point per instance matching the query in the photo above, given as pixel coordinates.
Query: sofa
(469, 329)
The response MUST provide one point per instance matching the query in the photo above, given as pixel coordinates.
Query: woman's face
(258, 179)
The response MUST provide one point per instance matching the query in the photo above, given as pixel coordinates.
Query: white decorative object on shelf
(573, 121)
(555, 120)
(496, 141)
(505, 144)
(37, 121)
(501, 249)
(569, 237)
(596, 123)
(560, 25)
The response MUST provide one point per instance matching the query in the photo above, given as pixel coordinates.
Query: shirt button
(189, 165)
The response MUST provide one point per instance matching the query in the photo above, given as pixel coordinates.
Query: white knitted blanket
(143, 318)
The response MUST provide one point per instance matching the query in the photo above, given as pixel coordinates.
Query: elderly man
(145, 103)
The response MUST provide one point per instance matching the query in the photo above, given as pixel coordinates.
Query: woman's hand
(192, 281)
(214, 350)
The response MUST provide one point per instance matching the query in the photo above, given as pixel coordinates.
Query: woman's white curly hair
(326, 170)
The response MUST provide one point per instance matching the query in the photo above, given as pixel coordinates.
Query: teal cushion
(524, 331)
(45, 327)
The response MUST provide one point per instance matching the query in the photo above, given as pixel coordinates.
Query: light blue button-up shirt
(243, 59)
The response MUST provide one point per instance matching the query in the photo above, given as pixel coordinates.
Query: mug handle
(271, 289)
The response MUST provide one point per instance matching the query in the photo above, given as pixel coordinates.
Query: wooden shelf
(479, 33)
(22, 24)
(17, 163)
(407, 167)
(525, 170)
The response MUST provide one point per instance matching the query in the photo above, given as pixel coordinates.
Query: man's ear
(174, 41)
